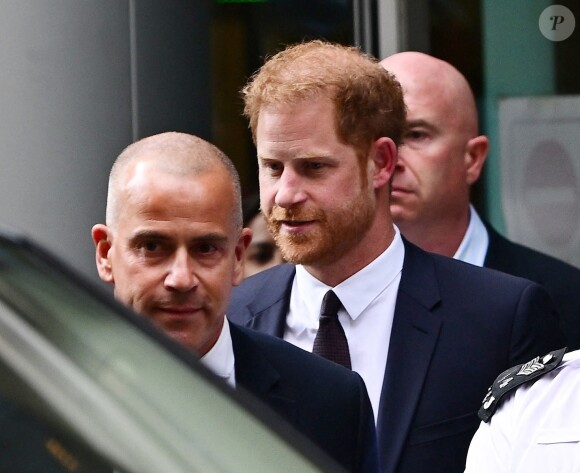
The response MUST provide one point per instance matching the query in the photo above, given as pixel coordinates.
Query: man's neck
(441, 237)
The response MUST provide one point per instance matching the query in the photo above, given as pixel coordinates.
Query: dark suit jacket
(561, 280)
(324, 401)
(455, 328)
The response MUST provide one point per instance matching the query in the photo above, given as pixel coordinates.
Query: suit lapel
(256, 374)
(497, 252)
(503, 255)
(270, 306)
(413, 340)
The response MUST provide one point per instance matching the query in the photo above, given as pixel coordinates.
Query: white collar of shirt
(473, 247)
(220, 358)
(355, 293)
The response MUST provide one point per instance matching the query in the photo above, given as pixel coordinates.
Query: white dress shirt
(537, 429)
(473, 247)
(368, 298)
(220, 358)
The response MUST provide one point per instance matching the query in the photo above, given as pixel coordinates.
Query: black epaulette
(516, 376)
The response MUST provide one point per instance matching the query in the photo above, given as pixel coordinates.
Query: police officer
(531, 419)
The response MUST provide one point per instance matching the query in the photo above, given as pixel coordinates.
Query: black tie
(330, 341)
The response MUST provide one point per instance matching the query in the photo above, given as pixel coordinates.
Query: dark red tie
(330, 341)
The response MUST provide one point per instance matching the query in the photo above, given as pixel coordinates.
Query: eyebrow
(420, 122)
(304, 157)
(153, 235)
(147, 235)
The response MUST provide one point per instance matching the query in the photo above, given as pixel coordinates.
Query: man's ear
(102, 241)
(384, 160)
(240, 255)
(475, 155)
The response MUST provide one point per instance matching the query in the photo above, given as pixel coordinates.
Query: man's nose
(290, 189)
(181, 275)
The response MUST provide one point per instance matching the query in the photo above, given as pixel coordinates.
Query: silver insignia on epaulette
(505, 382)
(488, 402)
(530, 367)
(549, 357)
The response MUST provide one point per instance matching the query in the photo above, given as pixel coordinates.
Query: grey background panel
(79, 81)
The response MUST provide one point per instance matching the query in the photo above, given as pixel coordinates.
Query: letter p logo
(556, 20)
(557, 23)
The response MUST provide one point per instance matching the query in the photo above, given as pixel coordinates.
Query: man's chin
(181, 338)
(179, 331)
(399, 213)
(305, 254)
(309, 249)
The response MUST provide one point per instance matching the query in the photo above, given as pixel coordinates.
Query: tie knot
(330, 304)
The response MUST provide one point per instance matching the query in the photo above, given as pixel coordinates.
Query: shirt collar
(220, 358)
(359, 290)
(473, 247)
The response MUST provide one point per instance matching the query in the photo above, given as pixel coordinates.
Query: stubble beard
(333, 236)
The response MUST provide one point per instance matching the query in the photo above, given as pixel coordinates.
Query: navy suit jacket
(561, 280)
(455, 328)
(329, 404)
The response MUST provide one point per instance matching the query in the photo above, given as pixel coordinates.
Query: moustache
(280, 214)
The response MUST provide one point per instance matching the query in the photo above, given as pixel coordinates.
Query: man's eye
(415, 135)
(262, 253)
(206, 248)
(273, 167)
(315, 166)
(151, 246)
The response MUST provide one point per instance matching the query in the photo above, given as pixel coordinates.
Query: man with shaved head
(441, 157)
(173, 246)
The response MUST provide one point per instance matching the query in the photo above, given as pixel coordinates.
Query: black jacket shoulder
(560, 279)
